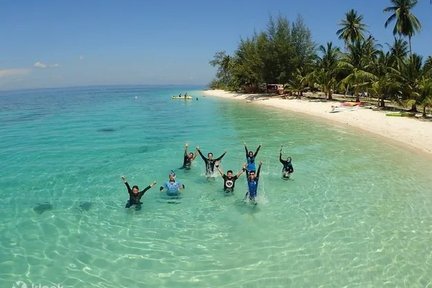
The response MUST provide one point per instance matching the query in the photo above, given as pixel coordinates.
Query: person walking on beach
(172, 187)
(229, 178)
(287, 168)
(250, 158)
(252, 181)
(135, 195)
(209, 162)
(188, 158)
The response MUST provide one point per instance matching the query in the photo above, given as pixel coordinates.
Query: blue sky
(55, 43)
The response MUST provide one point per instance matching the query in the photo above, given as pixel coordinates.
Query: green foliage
(325, 74)
(224, 63)
(352, 27)
(406, 23)
(285, 54)
(357, 63)
(425, 94)
(273, 56)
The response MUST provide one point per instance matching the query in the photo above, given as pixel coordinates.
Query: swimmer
(250, 158)
(172, 187)
(188, 158)
(210, 162)
(135, 195)
(229, 178)
(252, 181)
(287, 168)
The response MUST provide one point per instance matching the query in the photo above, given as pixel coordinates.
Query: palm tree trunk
(357, 97)
(330, 96)
(424, 111)
(409, 41)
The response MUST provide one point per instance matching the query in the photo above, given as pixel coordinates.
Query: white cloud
(13, 72)
(42, 65)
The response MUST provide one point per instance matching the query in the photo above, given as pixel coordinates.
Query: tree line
(286, 54)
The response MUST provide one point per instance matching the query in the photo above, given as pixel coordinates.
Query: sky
(65, 43)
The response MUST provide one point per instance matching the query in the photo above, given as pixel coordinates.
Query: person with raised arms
(172, 187)
(252, 181)
(229, 178)
(134, 194)
(209, 162)
(287, 168)
(250, 158)
(188, 158)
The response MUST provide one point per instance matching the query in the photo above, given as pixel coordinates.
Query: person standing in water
(209, 162)
(229, 178)
(250, 158)
(287, 168)
(135, 195)
(252, 181)
(172, 187)
(188, 158)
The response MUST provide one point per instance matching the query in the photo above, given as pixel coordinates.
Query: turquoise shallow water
(357, 212)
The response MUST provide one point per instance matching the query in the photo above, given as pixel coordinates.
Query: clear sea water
(356, 213)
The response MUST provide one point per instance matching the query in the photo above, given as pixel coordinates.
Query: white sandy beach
(409, 131)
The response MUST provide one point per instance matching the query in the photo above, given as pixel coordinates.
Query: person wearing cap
(209, 161)
(287, 168)
(229, 178)
(188, 158)
(135, 195)
(172, 187)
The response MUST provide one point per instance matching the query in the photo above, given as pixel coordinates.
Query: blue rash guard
(173, 188)
(253, 188)
(253, 185)
(250, 164)
(251, 159)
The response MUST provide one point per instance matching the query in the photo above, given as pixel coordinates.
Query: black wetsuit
(210, 164)
(187, 162)
(229, 183)
(287, 167)
(135, 199)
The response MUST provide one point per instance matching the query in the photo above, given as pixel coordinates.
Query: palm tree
(407, 23)
(425, 95)
(428, 66)
(398, 52)
(298, 83)
(325, 75)
(352, 27)
(384, 85)
(222, 61)
(410, 76)
(357, 64)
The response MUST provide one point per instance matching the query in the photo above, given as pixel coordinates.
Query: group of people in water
(173, 188)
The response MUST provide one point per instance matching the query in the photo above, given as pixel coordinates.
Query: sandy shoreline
(412, 132)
